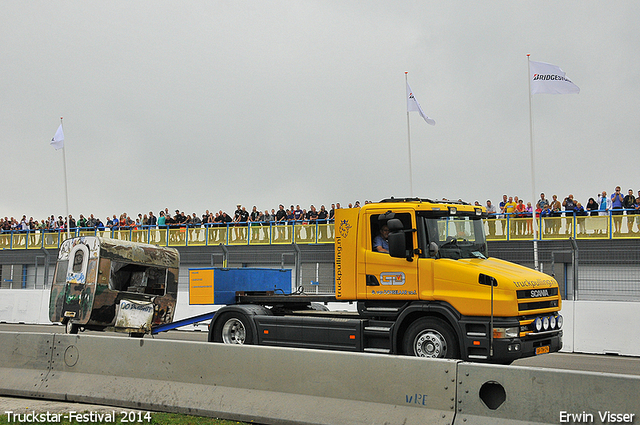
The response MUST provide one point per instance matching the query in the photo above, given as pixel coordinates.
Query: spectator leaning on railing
(617, 206)
(629, 204)
(569, 206)
(491, 214)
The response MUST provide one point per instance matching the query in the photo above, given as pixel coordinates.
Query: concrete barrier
(606, 327)
(493, 394)
(248, 383)
(25, 362)
(24, 306)
(282, 385)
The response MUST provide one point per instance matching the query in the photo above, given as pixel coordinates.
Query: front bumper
(508, 350)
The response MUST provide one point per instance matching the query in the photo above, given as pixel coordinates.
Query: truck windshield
(457, 237)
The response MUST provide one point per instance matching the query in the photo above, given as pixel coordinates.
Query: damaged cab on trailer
(112, 285)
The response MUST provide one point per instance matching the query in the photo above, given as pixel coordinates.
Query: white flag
(413, 105)
(547, 78)
(58, 140)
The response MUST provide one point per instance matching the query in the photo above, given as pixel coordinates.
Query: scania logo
(392, 278)
(537, 293)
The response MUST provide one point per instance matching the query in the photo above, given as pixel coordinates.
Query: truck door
(79, 290)
(389, 278)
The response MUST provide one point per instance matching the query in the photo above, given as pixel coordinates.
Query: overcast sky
(204, 104)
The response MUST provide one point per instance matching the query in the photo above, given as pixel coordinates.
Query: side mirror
(398, 240)
(394, 225)
(397, 247)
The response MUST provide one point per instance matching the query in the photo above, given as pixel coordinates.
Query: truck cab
(437, 289)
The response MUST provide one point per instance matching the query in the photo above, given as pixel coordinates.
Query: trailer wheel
(430, 337)
(233, 328)
(70, 328)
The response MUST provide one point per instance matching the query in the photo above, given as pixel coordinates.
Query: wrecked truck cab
(112, 285)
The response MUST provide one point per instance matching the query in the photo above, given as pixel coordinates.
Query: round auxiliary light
(553, 322)
(560, 320)
(538, 324)
(545, 323)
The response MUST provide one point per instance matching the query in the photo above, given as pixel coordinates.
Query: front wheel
(233, 328)
(430, 337)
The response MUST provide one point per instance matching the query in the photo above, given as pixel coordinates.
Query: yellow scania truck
(424, 285)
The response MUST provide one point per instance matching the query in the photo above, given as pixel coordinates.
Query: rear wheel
(431, 337)
(318, 307)
(233, 328)
(70, 327)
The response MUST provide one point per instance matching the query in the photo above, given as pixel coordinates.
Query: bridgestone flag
(547, 78)
(58, 140)
(413, 105)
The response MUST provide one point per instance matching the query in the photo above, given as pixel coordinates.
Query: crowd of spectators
(615, 205)
(510, 207)
(178, 219)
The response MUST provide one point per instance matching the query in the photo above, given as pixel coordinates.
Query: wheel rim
(430, 343)
(69, 327)
(233, 332)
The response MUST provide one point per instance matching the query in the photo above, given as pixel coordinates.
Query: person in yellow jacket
(509, 210)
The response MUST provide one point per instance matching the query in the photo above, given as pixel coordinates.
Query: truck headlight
(545, 323)
(500, 333)
(553, 322)
(560, 320)
(538, 324)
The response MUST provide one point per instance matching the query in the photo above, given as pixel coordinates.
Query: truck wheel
(430, 337)
(318, 307)
(233, 328)
(70, 328)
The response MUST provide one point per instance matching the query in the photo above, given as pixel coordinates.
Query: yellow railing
(609, 226)
(506, 228)
(251, 234)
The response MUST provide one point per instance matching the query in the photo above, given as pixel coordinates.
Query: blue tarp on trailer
(218, 286)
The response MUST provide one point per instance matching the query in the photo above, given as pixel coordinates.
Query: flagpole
(66, 192)
(533, 172)
(409, 143)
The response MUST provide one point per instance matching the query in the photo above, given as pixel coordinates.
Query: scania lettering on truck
(435, 293)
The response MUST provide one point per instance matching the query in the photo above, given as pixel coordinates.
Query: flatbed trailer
(242, 297)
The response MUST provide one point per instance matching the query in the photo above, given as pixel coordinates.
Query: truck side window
(380, 231)
(378, 239)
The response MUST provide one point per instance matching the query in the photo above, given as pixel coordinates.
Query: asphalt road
(568, 361)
